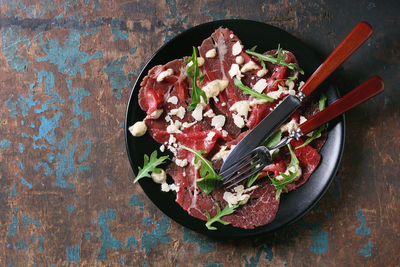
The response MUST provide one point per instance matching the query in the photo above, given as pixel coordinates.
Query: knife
(282, 112)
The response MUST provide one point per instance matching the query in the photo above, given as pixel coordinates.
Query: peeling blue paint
(122, 261)
(132, 50)
(21, 245)
(366, 250)
(116, 29)
(70, 209)
(25, 182)
(105, 237)
(87, 236)
(26, 220)
(65, 167)
(12, 227)
(21, 148)
(135, 201)
(147, 221)
(131, 243)
(13, 192)
(77, 97)
(86, 153)
(116, 76)
(67, 58)
(24, 103)
(363, 230)
(49, 86)
(205, 245)
(47, 127)
(73, 253)
(11, 39)
(159, 235)
(371, 5)
(40, 242)
(320, 240)
(5, 144)
(47, 170)
(213, 264)
(255, 260)
(215, 15)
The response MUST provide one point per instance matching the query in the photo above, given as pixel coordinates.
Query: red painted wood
(365, 91)
(353, 40)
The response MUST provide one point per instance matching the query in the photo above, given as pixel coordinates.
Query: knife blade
(264, 129)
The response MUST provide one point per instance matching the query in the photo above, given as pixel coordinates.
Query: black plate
(293, 205)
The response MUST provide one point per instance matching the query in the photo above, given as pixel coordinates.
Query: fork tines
(245, 167)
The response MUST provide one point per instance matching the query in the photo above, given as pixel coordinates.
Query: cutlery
(273, 120)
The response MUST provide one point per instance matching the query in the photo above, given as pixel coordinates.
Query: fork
(256, 160)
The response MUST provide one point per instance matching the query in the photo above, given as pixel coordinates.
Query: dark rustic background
(66, 197)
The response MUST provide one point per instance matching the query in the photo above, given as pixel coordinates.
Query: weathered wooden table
(67, 68)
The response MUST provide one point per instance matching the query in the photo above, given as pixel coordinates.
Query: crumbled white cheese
(162, 148)
(238, 120)
(302, 119)
(218, 121)
(138, 129)
(164, 74)
(211, 53)
(236, 48)
(238, 196)
(171, 140)
(235, 71)
(289, 127)
(210, 136)
(180, 112)
(301, 84)
(221, 154)
(159, 177)
(223, 104)
(262, 72)
(174, 187)
(231, 35)
(181, 162)
(239, 60)
(216, 99)
(174, 127)
(200, 62)
(197, 113)
(291, 169)
(290, 84)
(173, 100)
(260, 85)
(255, 101)
(165, 187)
(213, 88)
(251, 65)
(281, 90)
(209, 113)
(156, 114)
(188, 124)
(241, 107)
(224, 133)
(167, 118)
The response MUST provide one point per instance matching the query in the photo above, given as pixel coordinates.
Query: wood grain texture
(66, 71)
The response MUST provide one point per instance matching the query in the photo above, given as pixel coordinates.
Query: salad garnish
(194, 73)
(217, 218)
(287, 178)
(208, 175)
(252, 179)
(317, 133)
(248, 91)
(278, 58)
(150, 165)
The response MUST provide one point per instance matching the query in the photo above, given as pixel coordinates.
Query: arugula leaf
(278, 59)
(291, 78)
(194, 72)
(317, 133)
(218, 217)
(248, 91)
(273, 140)
(208, 175)
(150, 165)
(252, 179)
(322, 102)
(287, 178)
